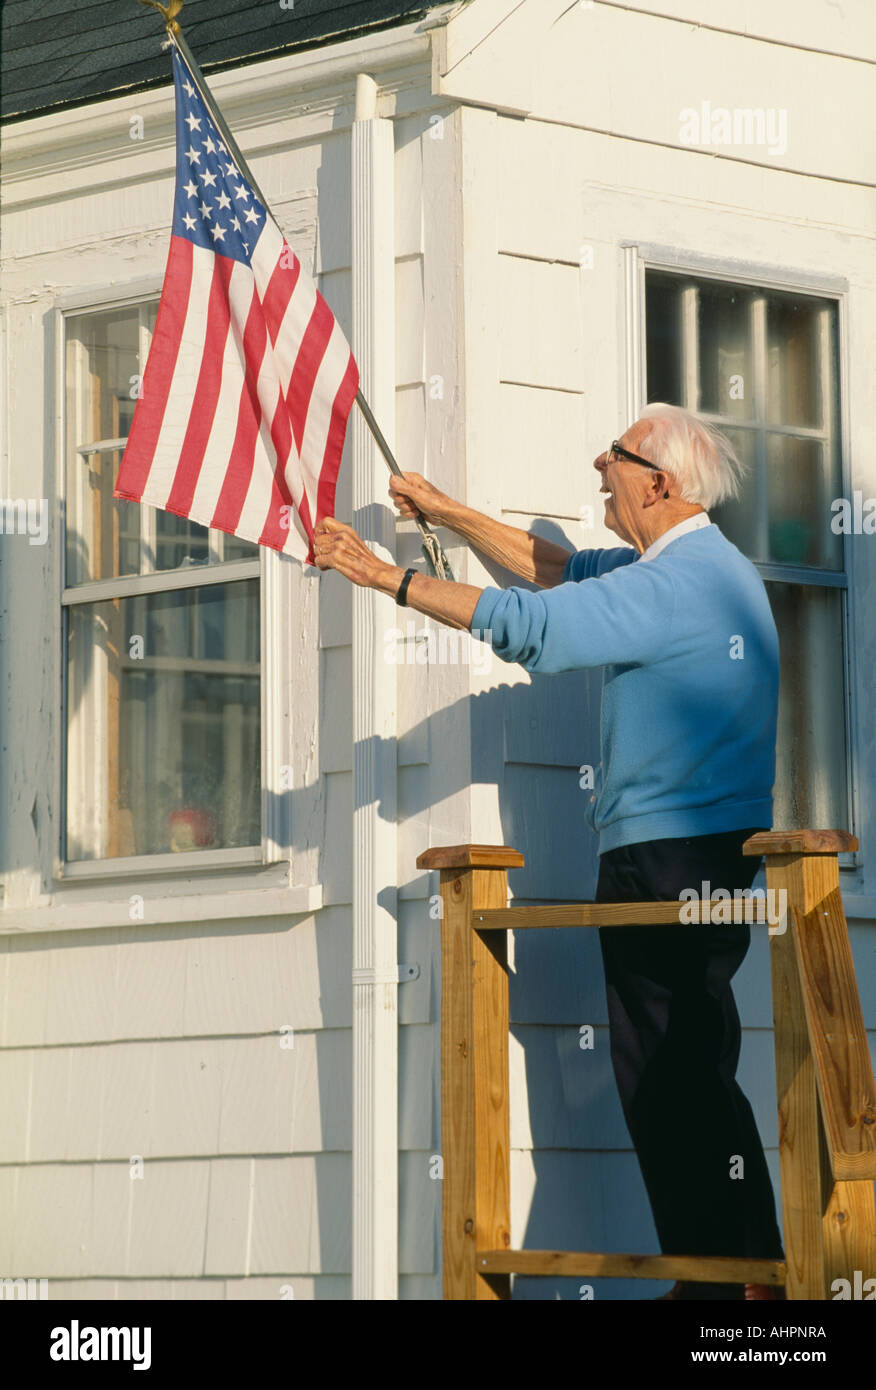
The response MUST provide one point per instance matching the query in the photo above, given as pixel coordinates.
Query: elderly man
(680, 621)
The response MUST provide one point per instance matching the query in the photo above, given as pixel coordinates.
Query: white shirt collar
(690, 523)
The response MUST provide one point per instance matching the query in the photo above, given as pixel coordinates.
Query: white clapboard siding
(847, 29)
(542, 441)
(336, 863)
(539, 319)
(156, 982)
(336, 728)
(419, 1198)
(409, 322)
(420, 1288)
(282, 1287)
(582, 49)
(183, 1219)
(178, 1098)
(408, 132)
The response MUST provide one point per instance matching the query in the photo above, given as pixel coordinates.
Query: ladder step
(712, 1269)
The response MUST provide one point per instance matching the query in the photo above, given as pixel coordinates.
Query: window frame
(639, 258)
(276, 596)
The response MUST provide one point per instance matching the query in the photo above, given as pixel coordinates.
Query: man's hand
(338, 547)
(411, 493)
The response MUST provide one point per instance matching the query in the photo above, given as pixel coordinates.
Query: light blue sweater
(690, 692)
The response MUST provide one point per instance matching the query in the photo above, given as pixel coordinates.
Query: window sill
(142, 866)
(171, 908)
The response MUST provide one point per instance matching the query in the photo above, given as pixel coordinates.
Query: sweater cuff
(481, 618)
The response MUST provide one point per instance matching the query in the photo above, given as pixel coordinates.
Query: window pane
(163, 727)
(663, 331)
(799, 349)
(102, 369)
(179, 542)
(743, 521)
(726, 380)
(800, 487)
(237, 549)
(811, 783)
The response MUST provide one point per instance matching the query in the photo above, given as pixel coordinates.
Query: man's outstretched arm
(532, 557)
(338, 547)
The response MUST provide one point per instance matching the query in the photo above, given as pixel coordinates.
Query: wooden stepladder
(824, 1078)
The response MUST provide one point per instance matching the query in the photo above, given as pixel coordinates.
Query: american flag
(249, 382)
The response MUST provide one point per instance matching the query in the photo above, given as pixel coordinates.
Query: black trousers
(675, 1038)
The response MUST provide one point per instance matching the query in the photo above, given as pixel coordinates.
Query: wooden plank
(716, 1269)
(492, 1104)
(457, 1086)
(475, 1141)
(470, 856)
(645, 914)
(828, 1226)
(800, 842)
(837, 1036)
(797, 1100)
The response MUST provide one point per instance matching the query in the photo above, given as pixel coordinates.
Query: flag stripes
(250, 381)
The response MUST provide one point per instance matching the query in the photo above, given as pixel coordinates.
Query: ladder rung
(712, 1269)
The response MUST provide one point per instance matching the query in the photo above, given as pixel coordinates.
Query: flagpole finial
(169, 11)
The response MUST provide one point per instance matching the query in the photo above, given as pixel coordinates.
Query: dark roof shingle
(56, 53)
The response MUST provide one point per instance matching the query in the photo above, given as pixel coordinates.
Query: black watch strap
(401, 597)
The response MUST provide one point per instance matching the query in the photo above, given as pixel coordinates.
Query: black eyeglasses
(625, 453)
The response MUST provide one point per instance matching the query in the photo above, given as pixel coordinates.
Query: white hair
(700, 458)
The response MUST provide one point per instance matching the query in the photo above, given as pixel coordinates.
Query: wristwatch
(401, 597)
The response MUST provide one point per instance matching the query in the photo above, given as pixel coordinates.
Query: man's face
(626, 484)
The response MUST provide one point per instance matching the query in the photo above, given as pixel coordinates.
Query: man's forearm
(532, 557)
(453, 604)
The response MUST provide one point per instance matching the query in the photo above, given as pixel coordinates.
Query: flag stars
(206, 208)
(189, 88)
(217, 232)
(251, 215)
(235, 224)
(209, 146)
(208, 179)
(222, 149)
(192, 156)
(223, 201)
(190, 222)
(191, 189)
(193, 122)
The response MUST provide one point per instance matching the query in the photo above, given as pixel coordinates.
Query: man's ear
(657, 489)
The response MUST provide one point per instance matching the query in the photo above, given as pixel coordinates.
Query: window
(762, 364)
(161, 637)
